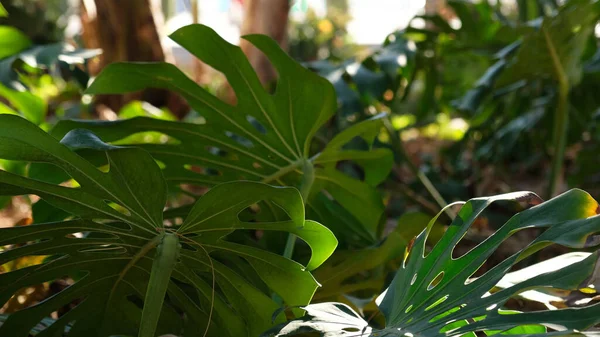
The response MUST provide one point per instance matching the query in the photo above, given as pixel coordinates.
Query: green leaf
(40, 57)
(3, 12)
(109, 247)
(30, 106)
(551, 298)
(264, 137)
(367, 270)
(12, 41)
(564, 35)
(434, 294)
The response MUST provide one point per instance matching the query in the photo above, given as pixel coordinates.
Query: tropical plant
(436, 294)
(138, 263)
(479, 72)
(264, 137)
(123, 259)
(560, 43)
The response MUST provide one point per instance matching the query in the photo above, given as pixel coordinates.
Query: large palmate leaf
(115, 241)
(434, 294)
(263, 137)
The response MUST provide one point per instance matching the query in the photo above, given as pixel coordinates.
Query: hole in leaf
(239, 139)
(91, 235)
(193, 191)
(136, 300)
(436, 303)
(252, 210)
(147, 137)
(202, 170)
(176, 221)
(24, 262)
(351, 329)
(408, 309)
(435, 281)
(118, 207)
(413, 279)
(20, 244)
(119, 225)
(216, 151)
(256, 124)
(188, 247)
(447, 313)
(491, 307)
(105, 249)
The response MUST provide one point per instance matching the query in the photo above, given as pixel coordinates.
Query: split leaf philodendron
(434, 294)
(122, 258)
(263, 137)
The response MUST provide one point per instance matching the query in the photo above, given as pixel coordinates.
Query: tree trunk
(440, 7)
(269, 17)
(127, 31)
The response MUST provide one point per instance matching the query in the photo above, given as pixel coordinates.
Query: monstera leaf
(122, 258)
(263, 137)
(435, 294)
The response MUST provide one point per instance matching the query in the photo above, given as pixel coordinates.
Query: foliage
(118, 226)
(316, 37)
(477, 73)
(162, 226)
(41, 21)
(264, 137)
(21, 57)
(435, 294)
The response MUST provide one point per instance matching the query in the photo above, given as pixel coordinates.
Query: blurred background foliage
(481, 97)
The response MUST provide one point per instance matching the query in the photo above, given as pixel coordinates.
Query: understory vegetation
(327, 203)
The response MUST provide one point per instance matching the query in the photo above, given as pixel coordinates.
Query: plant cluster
(251, 220)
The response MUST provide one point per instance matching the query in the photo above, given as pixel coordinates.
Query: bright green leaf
(32, 107)
(12, 41)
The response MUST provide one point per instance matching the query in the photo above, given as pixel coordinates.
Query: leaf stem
(160, 276)
(561, 119)
(283, 171)
(305, 186)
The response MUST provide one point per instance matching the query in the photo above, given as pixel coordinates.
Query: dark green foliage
(107, 247)
(434, 294)
(263, 137)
